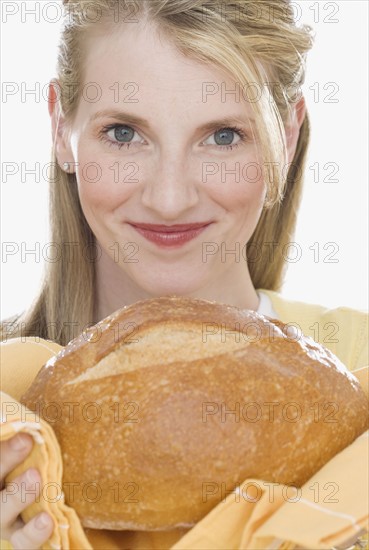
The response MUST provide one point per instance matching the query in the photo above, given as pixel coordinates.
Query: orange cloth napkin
(46, 457)
(329, 511)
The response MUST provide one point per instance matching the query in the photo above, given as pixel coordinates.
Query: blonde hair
(256, 42)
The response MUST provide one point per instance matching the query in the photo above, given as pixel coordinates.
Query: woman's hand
(19, 494)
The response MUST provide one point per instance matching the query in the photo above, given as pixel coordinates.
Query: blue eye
(119, 135)
(123, 133)
(224, 137)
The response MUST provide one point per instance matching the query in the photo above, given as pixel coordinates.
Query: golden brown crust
(166, 447)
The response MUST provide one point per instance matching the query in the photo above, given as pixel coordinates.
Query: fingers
(18, 494)
(13, 452)
(34, 533)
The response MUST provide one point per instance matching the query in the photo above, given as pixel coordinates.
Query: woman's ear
(60, 137)
(293, 129)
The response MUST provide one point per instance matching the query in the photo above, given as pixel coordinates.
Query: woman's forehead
(137, 54)
(127, 73)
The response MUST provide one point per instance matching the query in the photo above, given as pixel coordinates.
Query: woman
(172, 113)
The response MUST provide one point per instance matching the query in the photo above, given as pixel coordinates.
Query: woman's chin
(170, 285)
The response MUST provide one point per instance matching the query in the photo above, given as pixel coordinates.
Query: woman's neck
(115, 289)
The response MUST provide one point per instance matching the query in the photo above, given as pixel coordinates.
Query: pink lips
(170, 235)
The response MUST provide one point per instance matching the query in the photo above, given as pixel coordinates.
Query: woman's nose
(170, 189)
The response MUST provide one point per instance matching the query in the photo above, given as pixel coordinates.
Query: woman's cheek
(104, 183)
(238, 187)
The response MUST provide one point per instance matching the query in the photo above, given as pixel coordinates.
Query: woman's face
(148, 142)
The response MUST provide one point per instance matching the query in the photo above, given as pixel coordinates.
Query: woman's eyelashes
(225, 136)
(121, 135)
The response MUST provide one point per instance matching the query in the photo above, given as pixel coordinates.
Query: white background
(331, 212)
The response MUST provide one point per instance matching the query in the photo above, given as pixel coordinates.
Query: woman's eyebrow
(129, 118)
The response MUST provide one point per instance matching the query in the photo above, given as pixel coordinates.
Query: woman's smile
(170, 238)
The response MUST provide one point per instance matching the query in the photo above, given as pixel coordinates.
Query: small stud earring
(68, 167)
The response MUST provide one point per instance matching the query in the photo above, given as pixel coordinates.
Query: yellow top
(345, 332)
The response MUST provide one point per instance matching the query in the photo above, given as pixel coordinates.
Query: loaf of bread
(169, 404)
